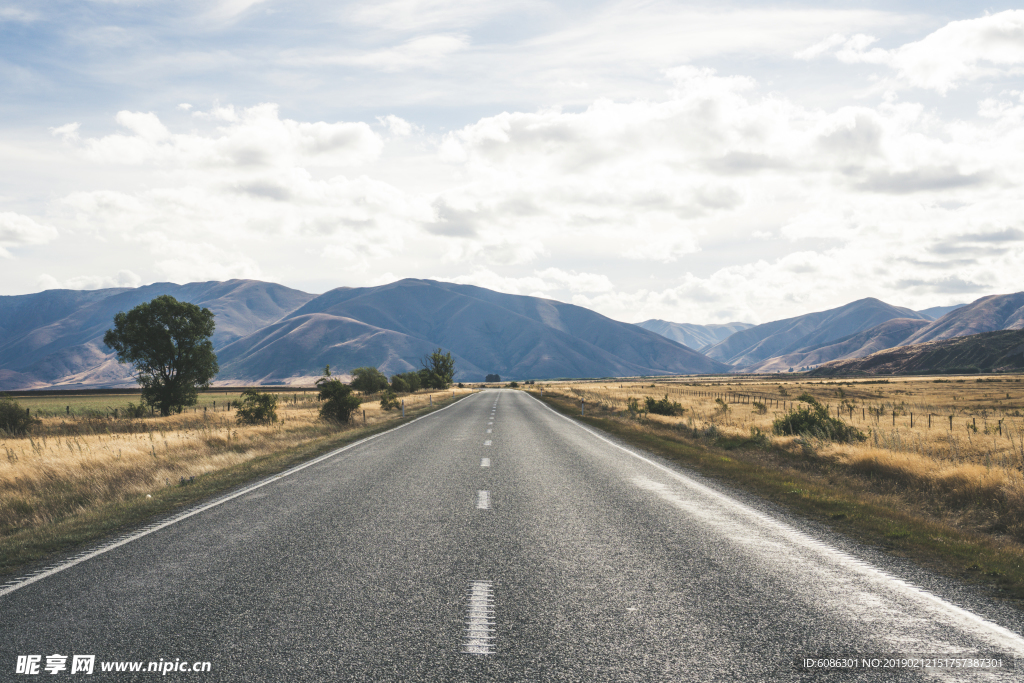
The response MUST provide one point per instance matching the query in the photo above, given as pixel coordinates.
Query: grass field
(78, 469)
(947, 489)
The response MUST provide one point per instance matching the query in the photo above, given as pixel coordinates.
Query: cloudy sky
(691, 161)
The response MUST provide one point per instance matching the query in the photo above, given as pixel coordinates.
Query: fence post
(583, 406)
(403, 407)
(950, 423)
(364, 418)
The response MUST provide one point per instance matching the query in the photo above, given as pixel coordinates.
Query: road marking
(10, 587)
(480, 620)
(487, 443)
(483, 500)
(485, 462)
(979, 625)
(488, 431)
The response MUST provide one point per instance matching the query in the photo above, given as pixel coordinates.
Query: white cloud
(397, 126)
(123, 278)
(68, 132)
(256, 137)
(17, 230)
(986, 47)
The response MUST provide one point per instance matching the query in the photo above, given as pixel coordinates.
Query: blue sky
(696, 162)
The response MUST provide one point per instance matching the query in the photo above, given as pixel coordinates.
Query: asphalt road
(494, 540)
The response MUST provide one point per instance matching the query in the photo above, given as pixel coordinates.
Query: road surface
(492, 540)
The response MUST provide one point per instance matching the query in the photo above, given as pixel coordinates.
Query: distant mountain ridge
(749, 347)
(697, 337)
(267, 333)
(392, 326)
(270, 334)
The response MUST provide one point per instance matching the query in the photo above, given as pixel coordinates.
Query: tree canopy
(438, 370)
(168, 343)
(369, 380)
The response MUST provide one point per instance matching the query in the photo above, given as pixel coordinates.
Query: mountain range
(270, 334)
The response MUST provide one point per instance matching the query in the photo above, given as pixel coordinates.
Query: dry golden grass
(69, 466)
(971, 472)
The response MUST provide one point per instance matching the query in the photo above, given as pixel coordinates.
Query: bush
(256, 408)
(663, 406)
(406, 382)
(513, 384)
(759, 438)
(721, 407)
(760, 408)
(634, 408)
(814, 420)
(337, 399)
(389, 401)
(13, 418)
(368, 380)
(461, 385)
(135, 411)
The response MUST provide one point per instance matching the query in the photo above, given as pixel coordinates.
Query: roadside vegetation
(928, 467)
(79, 473)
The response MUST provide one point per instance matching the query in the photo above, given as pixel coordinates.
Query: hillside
(391, 327)
(747, 348)
(60, 340)
(883, 336)
(697, 337)
(987, 314)
(998, 351)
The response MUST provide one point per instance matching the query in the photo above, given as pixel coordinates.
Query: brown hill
(999, 351)
(884, 336)
(987, 314)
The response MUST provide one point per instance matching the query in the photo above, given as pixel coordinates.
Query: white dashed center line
(487, 443)
(485, 462)
(488, 431)
(480, 620)
(483, 500)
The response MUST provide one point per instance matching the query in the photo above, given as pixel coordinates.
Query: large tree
(168, 343)
(438, 370)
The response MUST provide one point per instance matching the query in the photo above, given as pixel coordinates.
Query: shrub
(399, 385)
(256, 408)
(634, 408)
(337, 399)
(513, 384)
(461, 385)
(782, 390)
(760, 439)
(13, 418)
(135, 411)
(721, 407)
(760, 408)
(813, 419)
(388, 400)
(663, 406)
(368, 380)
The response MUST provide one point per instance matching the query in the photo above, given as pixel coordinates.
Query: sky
(700, 162)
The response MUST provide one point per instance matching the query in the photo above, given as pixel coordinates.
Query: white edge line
(50, 571)
(865, 567)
